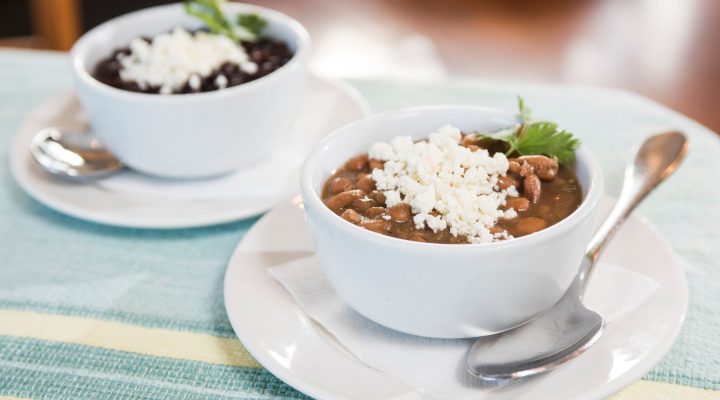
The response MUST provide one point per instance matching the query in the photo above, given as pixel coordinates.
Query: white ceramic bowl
(190, 135)
(439, 290)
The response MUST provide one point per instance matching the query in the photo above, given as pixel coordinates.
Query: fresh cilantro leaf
(210, 12)
(541, 137)
(252, 22)
(506, 134)
(502, 135)
(530, 138)
(545, 138)
(523, 111)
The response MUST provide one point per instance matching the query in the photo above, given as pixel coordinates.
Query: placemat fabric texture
(92, 311)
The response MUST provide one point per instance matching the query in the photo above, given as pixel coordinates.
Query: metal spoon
(72, 155)
(568, 329)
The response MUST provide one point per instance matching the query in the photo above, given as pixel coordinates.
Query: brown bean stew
(548, 193)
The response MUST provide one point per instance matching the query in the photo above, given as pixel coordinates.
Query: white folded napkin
(433, 367)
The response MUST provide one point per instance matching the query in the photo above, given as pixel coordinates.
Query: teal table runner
(91, 311)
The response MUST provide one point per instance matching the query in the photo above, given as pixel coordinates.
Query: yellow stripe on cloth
(217, 350)
(12, 398)
(649, 390)
(123, 337)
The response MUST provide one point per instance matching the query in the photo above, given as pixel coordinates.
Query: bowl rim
(312, 198)
(79, 51)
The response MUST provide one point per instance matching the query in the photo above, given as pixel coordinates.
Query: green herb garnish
(210, 12)
(247, 26)
(523, 111)
(252, 22)
(536, 138)
(544, 138)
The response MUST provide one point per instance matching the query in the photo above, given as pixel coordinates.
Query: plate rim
(597, 392)
(22, 176)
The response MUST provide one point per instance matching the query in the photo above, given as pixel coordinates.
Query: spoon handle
(656, 159)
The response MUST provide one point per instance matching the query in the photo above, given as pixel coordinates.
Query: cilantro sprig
(536, 137)
(252, 22)
(246, 26)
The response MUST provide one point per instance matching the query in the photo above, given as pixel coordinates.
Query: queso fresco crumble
(441, 175)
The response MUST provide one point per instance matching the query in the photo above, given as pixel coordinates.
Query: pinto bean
(352, 216)
(514, 166)
(470, 140)
(506, 181)
(531, 187)
(377, 225)
(358, 163)
(526, 169)
(366, 183)
(363, 204)
(473, 147)
(495, 229)
(341, 200)
(378, 196)
(376, 164)
(519, 204)
(526, 226)
(400, 212)
(340, 184)
(545, 168)
(373, 212)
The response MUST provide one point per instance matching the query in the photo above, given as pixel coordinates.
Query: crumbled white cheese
(179, 57)
(221, 81)
(392, 197)
(510, 213)
(441, 175)
(381, 151)
(194, 82)
(249, 67)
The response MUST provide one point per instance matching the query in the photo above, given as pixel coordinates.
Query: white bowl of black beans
(192, 133)
(442, 290)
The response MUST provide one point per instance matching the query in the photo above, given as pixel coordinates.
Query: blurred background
(668, 50)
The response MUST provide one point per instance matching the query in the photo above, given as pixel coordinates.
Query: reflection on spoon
(73, 155)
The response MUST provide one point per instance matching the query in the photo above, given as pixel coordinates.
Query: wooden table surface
(667, 50)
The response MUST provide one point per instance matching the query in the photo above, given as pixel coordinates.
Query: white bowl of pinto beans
(424, 222)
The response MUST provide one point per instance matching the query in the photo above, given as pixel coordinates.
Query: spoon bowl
(73, 155)
(560, 334)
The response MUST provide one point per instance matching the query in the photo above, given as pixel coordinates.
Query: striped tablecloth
(90, 311)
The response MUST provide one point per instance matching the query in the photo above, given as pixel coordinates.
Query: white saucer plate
(295, 349)
(139, 201)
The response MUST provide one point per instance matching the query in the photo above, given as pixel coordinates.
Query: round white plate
(139, 201)
(295, 349)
